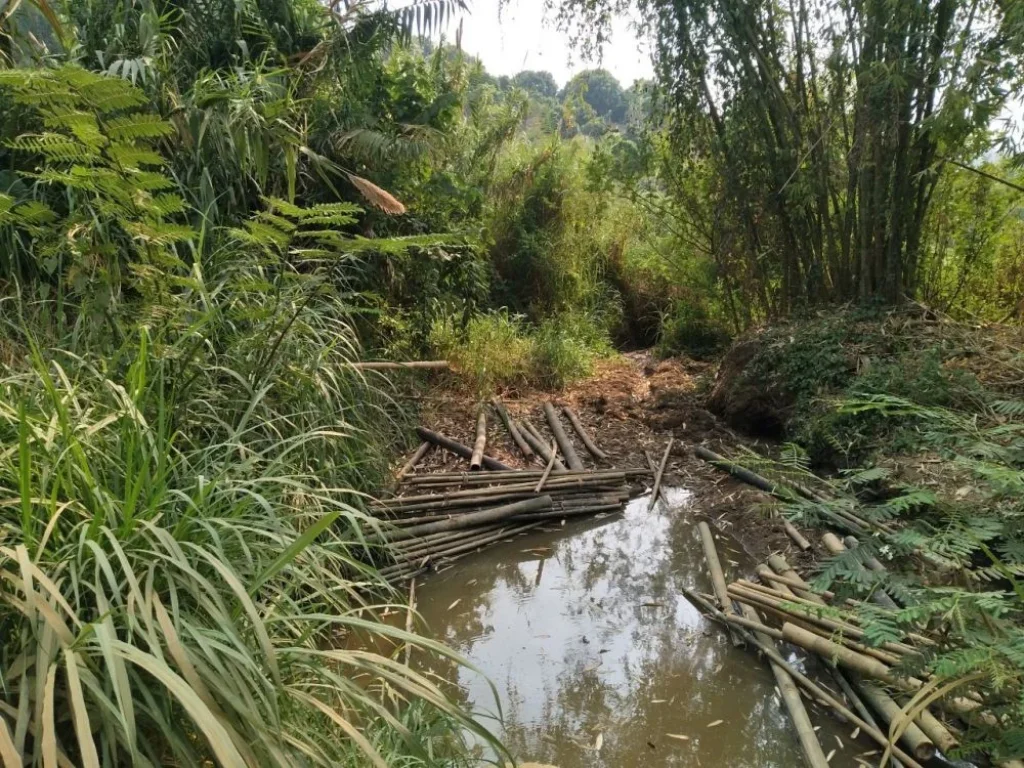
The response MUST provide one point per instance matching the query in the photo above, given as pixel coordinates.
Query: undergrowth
(185, 449)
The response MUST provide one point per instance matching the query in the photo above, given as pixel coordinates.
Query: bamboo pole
(513, 430)
(476, 460)
(825, 627)
(808, 611)
(473, 519)
(937, 731)
(414, 459)
(915, 739)
(836, 547)
(404, 570)
(872, 562)
(564, 443)
(867, 666)
(588, 442)
(547, 471)
(797, 537)
(778, 564)
(497, 476)
(813, 754)
(717, 574)
(858, 703)
(388, 365)
(559, 481)
(657, 478)
(809, 685)
(533, 437)
(458, 448)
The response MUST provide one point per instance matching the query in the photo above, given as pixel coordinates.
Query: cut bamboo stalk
(476, 460)
(564, 443)
(563, 498)
(813, 754)
(409, 614)
(915, 739)
(458, 448)
(819, 625)
(836, 547)
(717, 574)
(872, 562)
(588, 442)
(472, 520)
(496, 476)
(778, 564)
(396, 573)
(558, 514)
(417, 556)
(415, 459)
(797, 537)
(937, 731)
(547, 471)
(513, 430)
(809, 685)
(533, 437)
(858, 703)
(868, 667)
(788, 585)
(808, 612)
(559, 481)
(657, 477)
(389, 365)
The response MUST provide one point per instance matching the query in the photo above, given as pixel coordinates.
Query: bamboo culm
(584, 436)
(458, 448)
(513, 430)
(564, 443)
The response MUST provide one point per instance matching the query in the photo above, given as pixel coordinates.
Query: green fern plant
(102, 212)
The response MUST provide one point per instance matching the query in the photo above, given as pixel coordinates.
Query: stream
(598, 658)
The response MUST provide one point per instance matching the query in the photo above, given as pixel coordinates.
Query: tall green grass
(180, 548)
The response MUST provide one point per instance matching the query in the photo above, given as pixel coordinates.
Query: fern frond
(132, 157)
(138, 126)
(55, 147)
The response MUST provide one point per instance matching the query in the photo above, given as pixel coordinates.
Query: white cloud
(522, 37)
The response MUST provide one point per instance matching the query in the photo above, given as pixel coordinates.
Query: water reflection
(599, 660)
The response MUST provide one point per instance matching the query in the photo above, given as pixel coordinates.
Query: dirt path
(632, 404)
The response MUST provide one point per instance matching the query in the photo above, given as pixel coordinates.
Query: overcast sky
(522, 38)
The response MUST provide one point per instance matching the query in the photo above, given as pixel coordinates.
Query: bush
(499, 350)
(492, 350)
(566, 347)
(688, 328)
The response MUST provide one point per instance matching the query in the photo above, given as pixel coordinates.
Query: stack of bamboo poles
(822, 625)
(438, 517)
(445, 515)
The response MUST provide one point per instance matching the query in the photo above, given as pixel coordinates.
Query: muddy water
(600, 661)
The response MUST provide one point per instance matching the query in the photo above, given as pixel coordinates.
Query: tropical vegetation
(209, 211)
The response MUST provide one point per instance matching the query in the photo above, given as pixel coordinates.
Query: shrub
(566, 347)
(492, 350)
(688, 328)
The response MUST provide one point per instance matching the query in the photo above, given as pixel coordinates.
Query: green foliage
(492, 350)
(968, 526)
(825, 143)
(687, 329)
